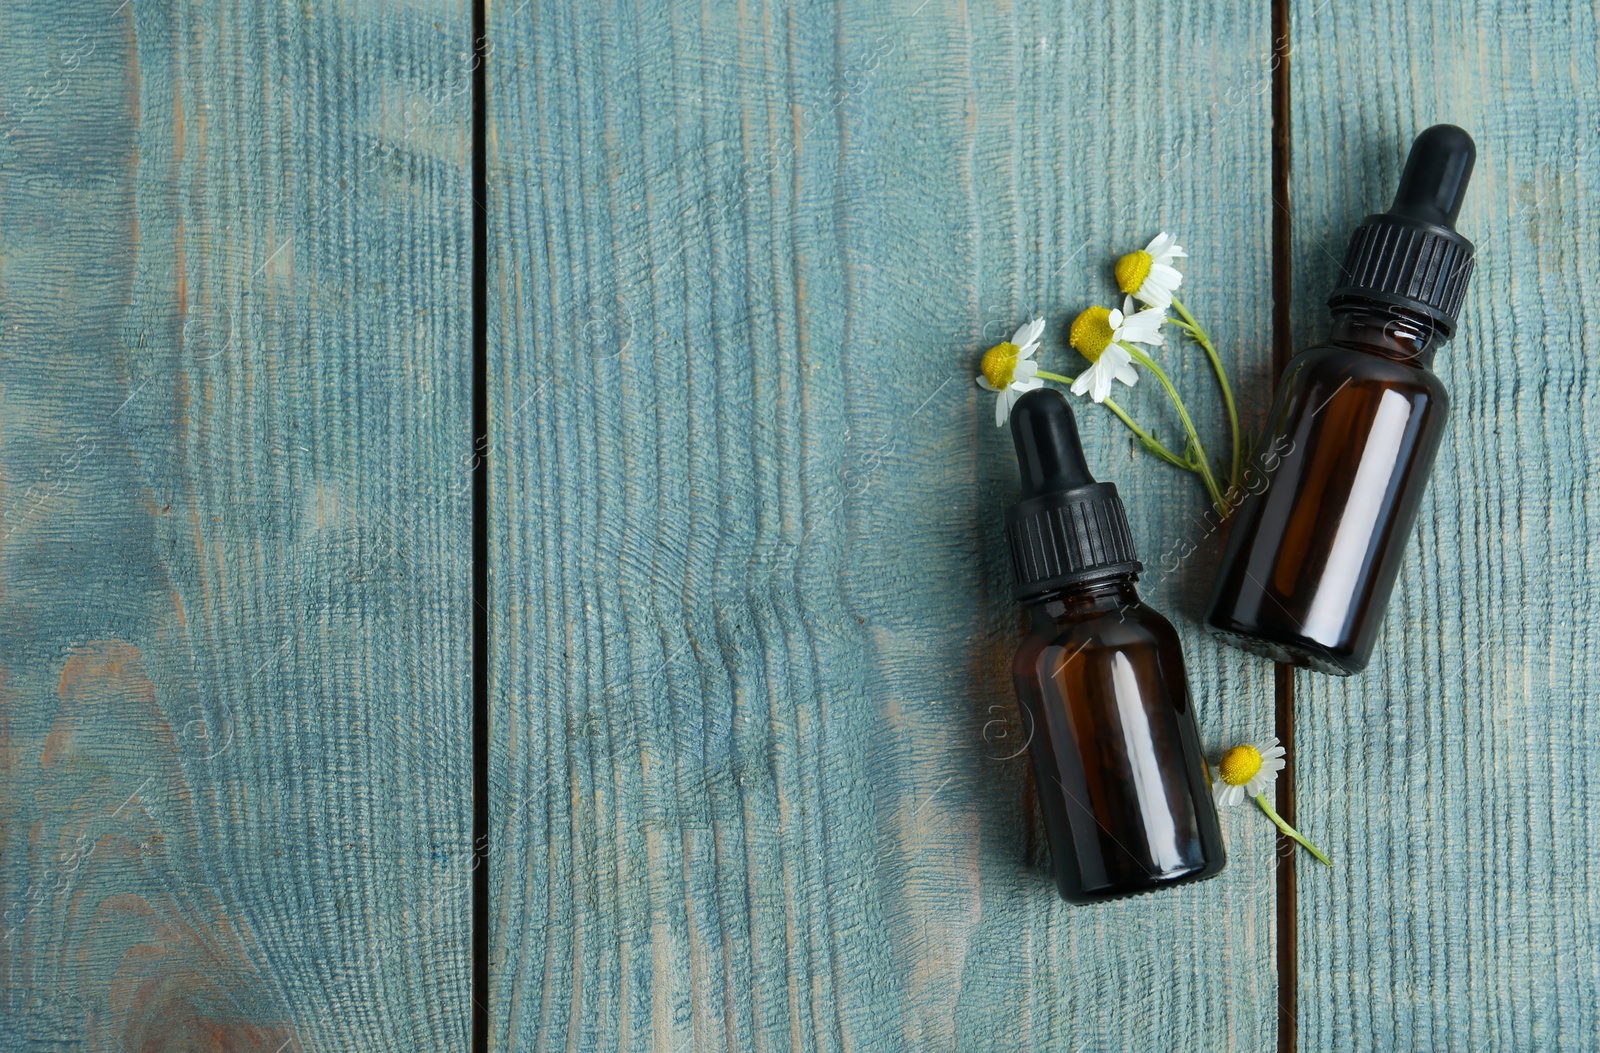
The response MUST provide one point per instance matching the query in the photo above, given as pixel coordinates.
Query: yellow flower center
(1091, 333)
(1132, 270)
(1000, 364)
(1240, 765)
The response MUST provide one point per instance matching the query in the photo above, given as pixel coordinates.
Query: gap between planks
(1283, 678)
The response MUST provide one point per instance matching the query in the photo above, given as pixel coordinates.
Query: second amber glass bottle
(1313, 552)
(1122, 783)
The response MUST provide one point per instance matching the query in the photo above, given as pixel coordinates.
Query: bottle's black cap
(1067, 529)
(1411, 255)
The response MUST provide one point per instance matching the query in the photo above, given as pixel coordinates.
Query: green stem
(1199, 334)
(1201, 461)
(1261, 799)
(1150, 442)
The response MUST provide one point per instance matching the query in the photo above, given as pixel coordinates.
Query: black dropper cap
(1067, 529)
(1411, 255)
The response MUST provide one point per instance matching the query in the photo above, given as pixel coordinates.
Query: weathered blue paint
(1453, 782)
(752, 623)
(752, 721)
(234, 562)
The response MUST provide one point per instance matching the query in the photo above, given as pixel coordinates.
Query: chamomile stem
(1199, 334)
(1290, 831)
(1150, 442)
(1202, 463)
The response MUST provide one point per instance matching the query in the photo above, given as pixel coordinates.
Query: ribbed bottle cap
(1411, 256)
(1067, 529)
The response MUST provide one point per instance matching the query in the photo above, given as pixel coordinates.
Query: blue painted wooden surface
(1454, 781)
(755, 749)
(757, 769)
(235, 760)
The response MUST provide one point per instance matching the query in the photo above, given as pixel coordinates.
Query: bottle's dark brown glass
(1312, 557)
(1332, 498)
(1116, 754)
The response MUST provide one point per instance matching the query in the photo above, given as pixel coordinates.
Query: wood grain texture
(234, 526)
(1453, 782)
(757, 783)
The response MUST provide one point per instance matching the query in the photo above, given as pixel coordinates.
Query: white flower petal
(1115, 320)
(1143, 327)
(1164, 248)
(1159, 285)
(1102, 384)
(983, 382)
(1085, 378)
(1029, 333)
(1024, 370)
(1161, 274)
(1154, 296)
(1002, 409)
(1025, 385)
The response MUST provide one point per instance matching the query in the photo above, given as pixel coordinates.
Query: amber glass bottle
(1115, 749)
(1314, 549)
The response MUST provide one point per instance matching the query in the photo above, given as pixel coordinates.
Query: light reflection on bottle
(1160, 834)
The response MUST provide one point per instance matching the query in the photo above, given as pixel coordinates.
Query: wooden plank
(752, 614)
(235, 557)
(1452, 782)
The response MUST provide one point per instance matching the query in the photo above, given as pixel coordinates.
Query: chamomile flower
(1097, 334)
(1110, 341)
(1248, 770)
(1148, 275)
(1009, 370)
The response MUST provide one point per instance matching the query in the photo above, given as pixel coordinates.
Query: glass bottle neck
(1095, 597)
(1391, 332)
